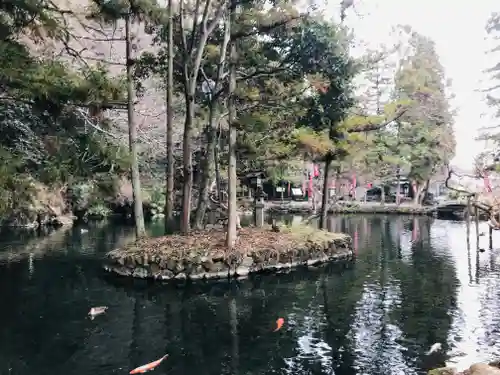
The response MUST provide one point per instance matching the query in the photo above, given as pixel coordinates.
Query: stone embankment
(353, 208)
(202, 255)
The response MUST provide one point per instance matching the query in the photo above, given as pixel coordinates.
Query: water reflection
(414, 283)
(475, 333)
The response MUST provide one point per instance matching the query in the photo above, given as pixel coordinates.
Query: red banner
(487, 183)
(310, 186)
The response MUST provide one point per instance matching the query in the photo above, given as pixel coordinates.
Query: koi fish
(148, 367)
(94, 311)
(279, 324)
(434, 348)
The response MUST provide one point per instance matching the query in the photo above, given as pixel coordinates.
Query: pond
(414, 283)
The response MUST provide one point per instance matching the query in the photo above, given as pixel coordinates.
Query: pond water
(414, 283)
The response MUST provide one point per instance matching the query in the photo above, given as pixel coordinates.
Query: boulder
(482, 369)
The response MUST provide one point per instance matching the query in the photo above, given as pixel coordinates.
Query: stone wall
(224, 265)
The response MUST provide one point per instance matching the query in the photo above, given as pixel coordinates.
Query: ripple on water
(414, 283)
(474, 335)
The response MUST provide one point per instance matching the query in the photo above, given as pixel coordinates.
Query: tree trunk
(192, 55)
(338, 183)
(324, 198)
(217, 165)
(398, 188)
(417, 191)
(233, 314)
(187, 156)
(382, 195)
(169, 196)
(211, 158)
(423, 192)
(208, 168)
(232, 213)
(140, 230)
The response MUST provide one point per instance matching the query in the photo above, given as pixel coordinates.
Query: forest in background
(247, 85)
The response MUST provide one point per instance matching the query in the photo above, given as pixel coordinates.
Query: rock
(166, 274)
(180, 276)
(483, 369)
(219, 275)
(443, 371)
(208, 265)
(188, 267)
(178, 267)
(171, 264)
(312, 262)
(162, 263)
(218, 257)
(246, 261)
(138, 260)
(140, 273)
(121, 261)
(130, 262)
(242, 271)
(198, 276)
(495, 363)
(218, 267)
(154, 269)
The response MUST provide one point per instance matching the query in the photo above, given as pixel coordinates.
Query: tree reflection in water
(408, 289)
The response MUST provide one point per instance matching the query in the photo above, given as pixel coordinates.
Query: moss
(442, 371)
(308, 233)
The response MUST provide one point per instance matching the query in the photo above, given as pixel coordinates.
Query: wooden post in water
(490, 235)
(476, 220)
(467, 220)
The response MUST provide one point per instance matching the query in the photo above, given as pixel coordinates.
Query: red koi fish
(147, 367)
(279, 324)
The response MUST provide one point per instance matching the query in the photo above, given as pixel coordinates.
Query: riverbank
(44, 206)
(202, 254)
(352, 208)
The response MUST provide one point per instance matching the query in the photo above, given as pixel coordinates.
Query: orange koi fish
(147, 367)
(279, 324)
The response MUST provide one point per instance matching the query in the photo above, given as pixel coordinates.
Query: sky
(458, 29)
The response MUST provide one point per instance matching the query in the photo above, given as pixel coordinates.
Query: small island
(203, 254)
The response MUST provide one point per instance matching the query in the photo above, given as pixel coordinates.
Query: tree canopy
(297, 95)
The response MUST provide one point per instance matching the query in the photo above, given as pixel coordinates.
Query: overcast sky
(458, 28)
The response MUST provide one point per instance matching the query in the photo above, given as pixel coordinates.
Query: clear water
(414, 283)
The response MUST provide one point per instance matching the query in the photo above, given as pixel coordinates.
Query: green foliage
(383, 155)
(47, 133)
(283, 124)
(15, 187)
(326, 56)
(492, 98)
(426, 127)
(111, 11)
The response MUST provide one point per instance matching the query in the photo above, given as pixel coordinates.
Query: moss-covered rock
(491, 368)
(443, 371)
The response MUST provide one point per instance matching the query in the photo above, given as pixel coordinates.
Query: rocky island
(203, 255)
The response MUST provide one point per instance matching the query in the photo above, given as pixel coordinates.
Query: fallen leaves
(211, 242)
